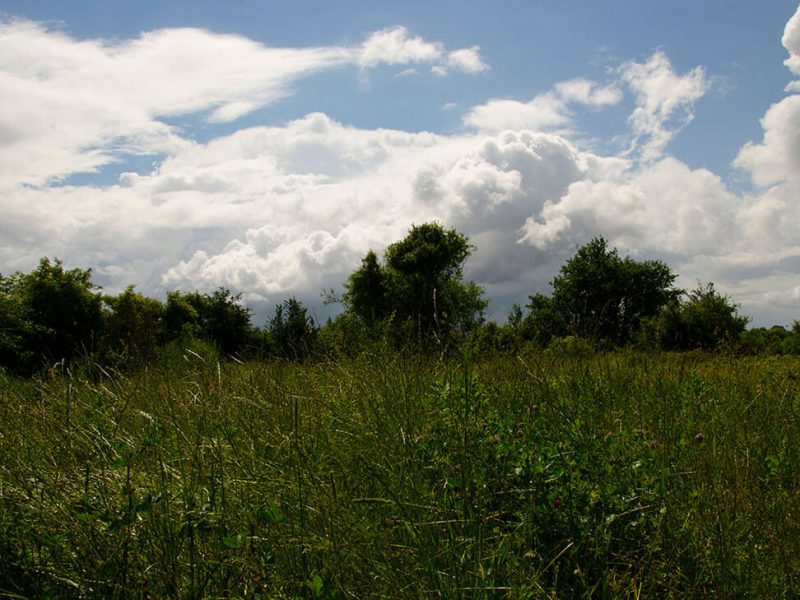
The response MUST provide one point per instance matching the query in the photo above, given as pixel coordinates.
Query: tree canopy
(420, 289)
(706, 320)
(601, 296)
(415, 293)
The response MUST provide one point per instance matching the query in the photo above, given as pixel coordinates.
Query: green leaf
(234, 541)
(316, 585)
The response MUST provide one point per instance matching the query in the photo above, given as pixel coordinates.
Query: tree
(181, 318)
(291, 332)
(420, 290)
(367, 292)
(705, 320)
(223, 319)
(133, 325)
(601, 296)
(58, 312)
(219, 318)
(16, 327)
(542, 322)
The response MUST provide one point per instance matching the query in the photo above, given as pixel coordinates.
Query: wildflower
(557, 502)
(699, 437)
(519, 432)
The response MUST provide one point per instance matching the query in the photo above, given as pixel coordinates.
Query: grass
(540, 476)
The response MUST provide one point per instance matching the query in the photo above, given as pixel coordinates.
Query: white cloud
(588, 93)
(467, 60)
(777, 157)
(665, 208)
(291, 209)
(543, 112)
(664, 102)
(546, 111)
(394, 46)
(71, 106)
(791, 41)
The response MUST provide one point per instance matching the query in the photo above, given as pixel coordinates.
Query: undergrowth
(540, 476)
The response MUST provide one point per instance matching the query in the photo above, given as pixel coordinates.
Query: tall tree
(420, 290)
(706, 319)
(218, 317)
(65, 308)
(133, 325)
(601, 296)
(367, 292)
(291, 332)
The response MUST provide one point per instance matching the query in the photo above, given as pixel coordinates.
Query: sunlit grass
(618, 475)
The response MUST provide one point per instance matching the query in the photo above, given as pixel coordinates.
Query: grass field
(536, 476)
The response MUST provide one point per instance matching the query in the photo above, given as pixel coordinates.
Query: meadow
(538, 475)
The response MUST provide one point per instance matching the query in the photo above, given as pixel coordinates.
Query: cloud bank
(290, 209)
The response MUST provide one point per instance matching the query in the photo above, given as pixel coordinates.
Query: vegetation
(416, 298)
(419, 293)
(577, 455)
(389, 475)
(601, 297)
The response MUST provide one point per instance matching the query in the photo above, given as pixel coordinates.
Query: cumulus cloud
(791, 41)
(71, 106)
(394, 46)
(664, 102)
(291, 209)
(549, 110)
(777, 157)
(467, 60)
(667, 208)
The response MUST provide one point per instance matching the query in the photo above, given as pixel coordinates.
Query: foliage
(16, 327)
(420, 289)
(133, 325)
(181, 318)
(219, 317)
(601, 296)
(611, 475)
(53, 314)
(706, 320)
(291, 332)
(773, 340)
(367, 292)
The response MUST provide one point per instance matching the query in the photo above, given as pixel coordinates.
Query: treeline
(415, 297)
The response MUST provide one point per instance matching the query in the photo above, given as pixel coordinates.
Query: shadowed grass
(620, 475)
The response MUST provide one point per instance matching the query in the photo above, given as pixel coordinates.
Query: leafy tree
(16, 327)
(218, 317)
(791, 345)
(291, 331)
(223, 319)
(420, 290)
(367, 292)
(344, 335)
(134, 324)
(542, 322)
(181, 318)
(705, 320)
(775, 340)
(489, 338)
(53, 313)
(601, 296)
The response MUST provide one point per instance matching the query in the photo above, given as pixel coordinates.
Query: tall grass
(617, 475)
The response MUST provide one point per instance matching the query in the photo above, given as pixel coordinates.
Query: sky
(265, 147)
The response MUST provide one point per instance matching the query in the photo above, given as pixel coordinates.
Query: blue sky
(265, 146)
